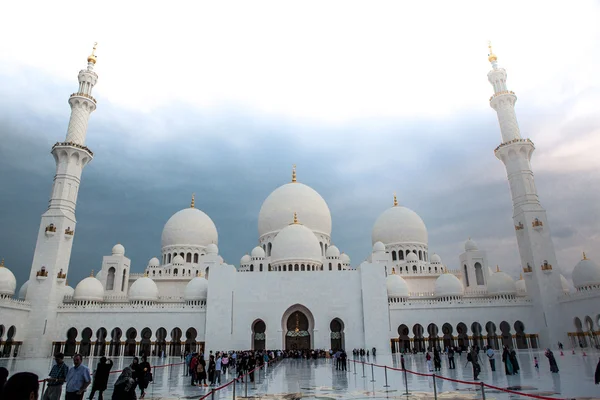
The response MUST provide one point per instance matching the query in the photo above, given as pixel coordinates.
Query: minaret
(542, 275)
(57, 228)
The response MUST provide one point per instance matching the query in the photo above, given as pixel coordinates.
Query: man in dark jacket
(101, 377)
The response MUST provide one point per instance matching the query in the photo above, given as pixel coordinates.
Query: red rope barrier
(522, 394)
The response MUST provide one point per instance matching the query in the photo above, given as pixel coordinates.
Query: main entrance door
(297, 336)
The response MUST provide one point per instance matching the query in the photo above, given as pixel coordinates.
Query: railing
(501, 93)
(514, 141)
(87, 96)
(72, 144)
(125, 306)
(481, 386)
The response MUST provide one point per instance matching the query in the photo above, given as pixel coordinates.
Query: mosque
(403, 297)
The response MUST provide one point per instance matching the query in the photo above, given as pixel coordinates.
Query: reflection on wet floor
(318, 379)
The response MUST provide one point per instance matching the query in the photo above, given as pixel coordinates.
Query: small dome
(196, 289)
(470, 245)
(378, 247)
(399, 225)
(435, 259)
(296, 242)
(23, 291)
(586, 273)
(396, 286)
(332, 252)
(212, 249)
(501, 283)
(178, 260)
(412, 257)
(153, 263)
(69, 291)
(118, 250)
(143, 289)
(245, 259)
(189, 227)
(89, 289)
(521, 286)
(565, 285)
(448, 285)
(8, 282)
(99, 275)
(258, 252)
(344, 258)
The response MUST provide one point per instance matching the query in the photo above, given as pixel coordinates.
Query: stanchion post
(482, 391)
(254, 376)
(43, 389)
(386, 382)
(354, 362)
(246, 386)
(234, 385)
(363, 364)
(212, 394)
(434, 388)
(372, 373)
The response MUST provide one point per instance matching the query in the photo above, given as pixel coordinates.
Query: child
(535, 363)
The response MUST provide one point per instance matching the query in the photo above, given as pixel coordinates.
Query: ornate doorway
(297, 336)
(258, 335)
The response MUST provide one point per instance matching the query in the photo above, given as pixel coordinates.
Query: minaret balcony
(537, 224)
(69, 233)
(42, 274)
(50, 230)
(546, 267)
(519, 227)
(72, 144)
(523, 141)
(87, 96)
(501, 93)
(527, 269)
(61, 276)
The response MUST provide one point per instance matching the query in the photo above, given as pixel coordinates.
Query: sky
(366, 98)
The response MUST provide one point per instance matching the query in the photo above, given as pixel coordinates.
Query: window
(269, 252)
(420, 255)
(400, 255)
(195, 258)
(339, 267)
(330, 266)
(110, 279)
(414, 268)
(466, 275)
(251, 267)
(394, 255)
(260, 266)
(175, 271)
(169, 262)
(188, 258)
(479, 274)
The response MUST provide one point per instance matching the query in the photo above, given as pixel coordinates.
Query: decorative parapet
(514, 141)
(579, 295)
(14, 303)
(501, 93)
(87, 96)
(508, 300)
(72, 144)
(69, 231)
(130, 307)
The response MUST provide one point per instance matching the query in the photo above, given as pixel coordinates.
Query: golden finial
(2, 263)
(395, 200)
(497, 268)
(521, 276)
(145, 274)
(92, 57)
(584, 257)
(295, 218)
(193, 200)
(92, 274)
(294, 173)
(491, 56)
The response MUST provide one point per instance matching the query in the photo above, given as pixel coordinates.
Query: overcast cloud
(366, 102)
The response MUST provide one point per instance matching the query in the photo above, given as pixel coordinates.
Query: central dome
(293, 197)
(189, 226)
(296, 243)
(399, 225)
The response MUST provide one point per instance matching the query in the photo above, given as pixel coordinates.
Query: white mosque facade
(295, 289)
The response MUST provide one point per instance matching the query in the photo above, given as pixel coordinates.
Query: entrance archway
(337, 334)
(258, 335)
(297, 325)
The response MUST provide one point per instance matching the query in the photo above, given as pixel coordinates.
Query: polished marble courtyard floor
(317, 379)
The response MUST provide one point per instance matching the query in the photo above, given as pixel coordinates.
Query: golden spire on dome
(2, 263)
(521, 276)
(295, 218)
(294, 173)
(145, 274)
(395, 200)
(491, 56)
(92, 274)
(193, 203)
(584, 257)
(92, 57)
(497, 268)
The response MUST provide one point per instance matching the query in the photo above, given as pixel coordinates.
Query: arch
(260, 266)
(169, 259)
(330, 266)
(589, 326)
(270, 247)
(403, 338)
(195, 258)
(419, 340)
(520, 337)
(146, 343)
(259, 337)
(339, 267)
(175, 271)
(188, 258)
(432, 331)
(297, 324)
(506, 335)
(466, 275)
(415, 269)
(251, 267)
(492, 339)
(110, 279)
(115, 342)
(420, 255)
(175, 345)
(477, 335)
(130, 342)
(479, 274)
(100, 347)
(447, 330)
(191, 342)
(463, 337)
(394, 255)
(85, 345)
(336, 327)
(70, 343)
(400, 255)
(161, 342)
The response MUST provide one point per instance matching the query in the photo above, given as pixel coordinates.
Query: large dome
(296, 242)
(293, 197)
(586, 273)
(143, 289)
(501, 283)
(89, 289)
(448, 285)
(396, 286)
(189, 227)
(399, 225)
(196, 289)
(8, 282)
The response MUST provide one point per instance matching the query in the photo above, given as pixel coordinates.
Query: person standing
(251, 366)
(58, 376)
(188, 361)
(124, 388)
(3, 378)
(508, 367)
(475, 363)
(514, 361)
(490, 353)
(451, 363)
(344, 360)
(141, 374)
(201, 370)
(218, 367)
(78, 379)
(101, 377)
(211, 370)
(437, 360)
(428, 358)
(224, 363)
(552, 361)
(597, 374)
